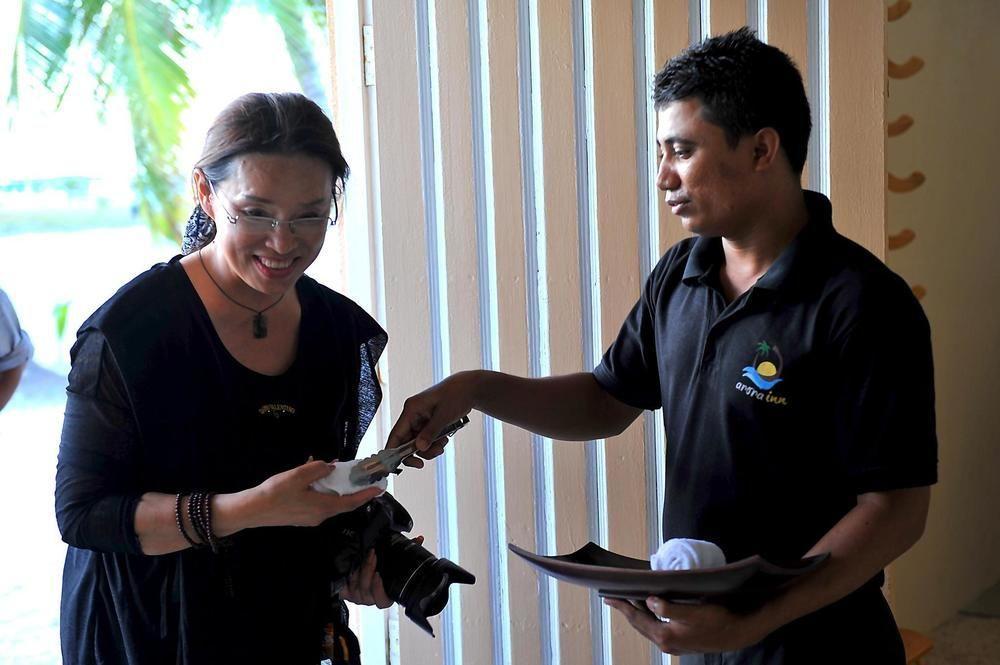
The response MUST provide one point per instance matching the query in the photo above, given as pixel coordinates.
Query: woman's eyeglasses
(257, 224)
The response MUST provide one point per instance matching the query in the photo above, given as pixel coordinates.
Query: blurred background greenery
(141, 51)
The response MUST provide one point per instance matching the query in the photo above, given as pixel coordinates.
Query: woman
(198, 396)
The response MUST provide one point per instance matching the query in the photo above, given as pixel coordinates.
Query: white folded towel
(687, 554)
(339, 480)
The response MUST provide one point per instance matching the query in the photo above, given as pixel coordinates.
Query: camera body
(413, 577)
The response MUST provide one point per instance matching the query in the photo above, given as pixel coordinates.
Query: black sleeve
(629, 370)
(885, 424)
(95, 495)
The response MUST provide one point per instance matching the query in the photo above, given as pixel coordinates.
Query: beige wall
(954, 141)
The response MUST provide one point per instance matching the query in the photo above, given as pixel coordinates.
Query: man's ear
(766, 147)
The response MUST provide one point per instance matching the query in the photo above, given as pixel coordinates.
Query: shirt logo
(763, 373)
(276, 410)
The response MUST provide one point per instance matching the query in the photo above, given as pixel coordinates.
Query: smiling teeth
(274, 265)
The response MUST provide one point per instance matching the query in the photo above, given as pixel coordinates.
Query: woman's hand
(364, 586)
(426, 414)
(286, 499)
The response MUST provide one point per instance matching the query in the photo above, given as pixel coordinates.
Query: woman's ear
(767, 144)
(203, 192)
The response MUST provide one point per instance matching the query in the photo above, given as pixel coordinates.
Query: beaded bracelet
(200, 514)
(192, 510)
(180, 521)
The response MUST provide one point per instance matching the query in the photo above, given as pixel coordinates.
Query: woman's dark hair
(744, 85)
(283, 123)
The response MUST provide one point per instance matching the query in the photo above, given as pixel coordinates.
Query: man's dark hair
(744, 85)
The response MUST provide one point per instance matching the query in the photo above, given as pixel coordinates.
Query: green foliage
(138, 50)
(60, 312)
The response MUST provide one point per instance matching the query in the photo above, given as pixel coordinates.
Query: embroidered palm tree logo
(762, 371)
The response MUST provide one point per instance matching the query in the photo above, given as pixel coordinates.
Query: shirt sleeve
(885, 399)
(15, 345)
(629, 370)
(95, 496)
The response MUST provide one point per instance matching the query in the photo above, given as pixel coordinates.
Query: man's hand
(692, 628)
(426, 414)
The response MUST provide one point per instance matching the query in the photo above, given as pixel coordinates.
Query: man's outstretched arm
(570, 407)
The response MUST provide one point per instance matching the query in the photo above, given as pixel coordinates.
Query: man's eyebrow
(678, 140)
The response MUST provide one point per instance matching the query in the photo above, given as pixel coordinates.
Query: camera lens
(416, 579)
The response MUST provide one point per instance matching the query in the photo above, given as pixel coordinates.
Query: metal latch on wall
(368, 44)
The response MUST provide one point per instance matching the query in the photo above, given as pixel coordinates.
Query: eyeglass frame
(275, 222)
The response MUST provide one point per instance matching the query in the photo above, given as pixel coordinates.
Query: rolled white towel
(687, 554)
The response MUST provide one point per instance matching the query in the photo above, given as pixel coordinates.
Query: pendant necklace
(259, 320)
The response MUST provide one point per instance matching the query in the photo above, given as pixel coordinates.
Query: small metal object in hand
(386, 461)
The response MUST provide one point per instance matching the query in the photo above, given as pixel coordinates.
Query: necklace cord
(259, 322)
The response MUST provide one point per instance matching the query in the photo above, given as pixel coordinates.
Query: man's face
(706, 182)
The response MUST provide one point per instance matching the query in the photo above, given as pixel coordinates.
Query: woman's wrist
(233, 512)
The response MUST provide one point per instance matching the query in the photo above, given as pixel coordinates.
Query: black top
(156, 403)
(813, 387)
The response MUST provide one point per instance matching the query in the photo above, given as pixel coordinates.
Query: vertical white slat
(756, 17)
(536, 281)
(504, 206)
(590, 294)
(818, 88)
(408, 320)
(671, 36)
(562, 145)
(517, 184)
(727, 15)
(464, 509)
(645, 67)
(491, 595)
(857, 99)
(618, 279)
(359, 242)
(698, 23)
(788, 29)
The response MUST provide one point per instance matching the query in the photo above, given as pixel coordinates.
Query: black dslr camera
(413, 577)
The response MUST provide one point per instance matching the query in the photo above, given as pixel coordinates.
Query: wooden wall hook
(898, 9)
(901, 239)
(907, 69)
(907, 184)
(900, 125)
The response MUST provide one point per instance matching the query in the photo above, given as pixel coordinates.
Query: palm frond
(145, 59)
(42, 44)
(137, 48)
(291, 17)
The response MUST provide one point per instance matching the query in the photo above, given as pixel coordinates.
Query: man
(793, 368)
(15, 350)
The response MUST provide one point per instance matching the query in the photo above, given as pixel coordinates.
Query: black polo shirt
(811, 388)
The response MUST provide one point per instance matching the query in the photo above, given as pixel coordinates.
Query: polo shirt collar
(706, 255)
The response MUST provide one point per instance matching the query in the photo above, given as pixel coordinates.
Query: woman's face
(283, 187)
